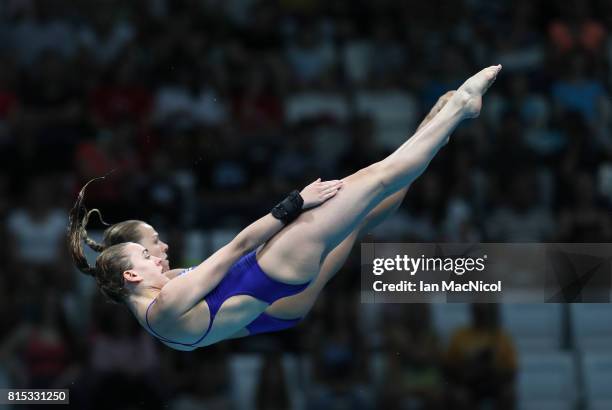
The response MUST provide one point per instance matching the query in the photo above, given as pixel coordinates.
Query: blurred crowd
(208, 112)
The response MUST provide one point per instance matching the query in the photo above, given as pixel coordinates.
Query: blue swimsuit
(244, 277)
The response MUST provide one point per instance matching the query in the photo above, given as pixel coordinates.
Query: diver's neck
(142, 297)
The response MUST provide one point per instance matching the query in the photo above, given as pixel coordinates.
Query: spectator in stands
(44, 347)
(413, 374)
(311, 56)
(258, 106)
(586, 219)
(106, 35)
(53, 108)
(40, 27)
(481, 363)
(272, 391)
(579, 90)
(36, 230)
(339, 361)
(194, 98)
(577, 28)
(522, 217)
(123, 361)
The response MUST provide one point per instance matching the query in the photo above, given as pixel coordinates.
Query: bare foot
(469, 95)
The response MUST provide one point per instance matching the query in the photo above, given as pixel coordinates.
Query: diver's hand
(319, 191)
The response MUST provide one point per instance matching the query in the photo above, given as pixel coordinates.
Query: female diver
(285, 312)
(237, 286)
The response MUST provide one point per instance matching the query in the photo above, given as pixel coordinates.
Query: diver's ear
(132, 276)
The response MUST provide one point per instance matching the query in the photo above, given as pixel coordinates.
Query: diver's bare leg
(296, 254)
(297, 306)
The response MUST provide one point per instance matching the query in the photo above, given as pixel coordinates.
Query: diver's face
(149, 238)
(144, 264)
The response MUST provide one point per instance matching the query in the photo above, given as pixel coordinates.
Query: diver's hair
(112, 261)
(77, 233)
(125, 231)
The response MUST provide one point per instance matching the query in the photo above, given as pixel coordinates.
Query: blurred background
(210, 111)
